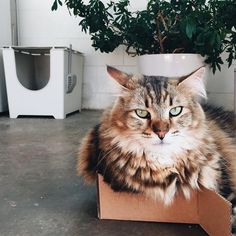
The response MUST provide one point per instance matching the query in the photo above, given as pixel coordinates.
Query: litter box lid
(40, 49)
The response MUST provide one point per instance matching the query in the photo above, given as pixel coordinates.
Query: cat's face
(157, 113)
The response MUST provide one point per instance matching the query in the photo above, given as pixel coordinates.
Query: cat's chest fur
(163, 170)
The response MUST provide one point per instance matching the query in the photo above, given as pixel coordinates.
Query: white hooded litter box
(43, 81)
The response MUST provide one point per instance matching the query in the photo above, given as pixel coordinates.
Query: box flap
(125, 206)
(98, 199)
(214, 213)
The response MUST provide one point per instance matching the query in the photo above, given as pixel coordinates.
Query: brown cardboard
(214, 213)
(205, 207)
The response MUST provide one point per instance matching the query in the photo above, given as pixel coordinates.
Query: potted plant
(164, 27)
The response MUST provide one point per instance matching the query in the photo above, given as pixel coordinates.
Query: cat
(157, 139)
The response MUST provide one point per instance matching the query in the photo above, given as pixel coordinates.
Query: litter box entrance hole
(33, 67)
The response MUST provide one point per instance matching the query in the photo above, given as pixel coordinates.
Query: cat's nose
(161, 128)
(161, 134)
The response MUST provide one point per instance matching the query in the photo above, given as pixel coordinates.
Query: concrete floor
(40, 193)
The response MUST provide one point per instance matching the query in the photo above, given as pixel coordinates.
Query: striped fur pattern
(165, 152)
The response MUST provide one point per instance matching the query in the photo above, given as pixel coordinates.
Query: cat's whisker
(104, 156)
(146, 136)
(175, 132)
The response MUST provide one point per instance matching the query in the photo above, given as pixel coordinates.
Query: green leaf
(230, 59)
(218, 66)
(211, 38)
(84, 25)
(54, 6)
(190, 28)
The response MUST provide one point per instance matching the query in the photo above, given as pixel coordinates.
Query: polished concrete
(40, 193)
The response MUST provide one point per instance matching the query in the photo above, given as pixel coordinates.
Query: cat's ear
(194, 83)
(125, 80)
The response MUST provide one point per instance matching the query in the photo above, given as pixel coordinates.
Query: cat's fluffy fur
(198, 148)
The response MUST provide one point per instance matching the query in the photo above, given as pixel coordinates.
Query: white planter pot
(170, 65)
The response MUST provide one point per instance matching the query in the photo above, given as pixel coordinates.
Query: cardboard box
(205, 207)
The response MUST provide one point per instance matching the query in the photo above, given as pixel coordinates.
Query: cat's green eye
(142, 113)
(176, 111)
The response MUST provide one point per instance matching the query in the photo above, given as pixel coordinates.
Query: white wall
(8, 35)
(5, 17)
(221, 87)
(38, 26)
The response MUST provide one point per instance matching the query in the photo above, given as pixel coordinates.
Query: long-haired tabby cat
(158, 140)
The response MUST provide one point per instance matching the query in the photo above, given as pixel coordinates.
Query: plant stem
(177, 50)
(159, 35)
